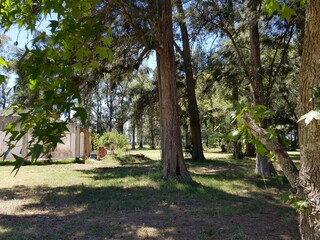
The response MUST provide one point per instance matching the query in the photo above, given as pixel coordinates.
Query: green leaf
(106, 41)
(40, 37)
(259, 112)
(233, 136)
(260, 149)
(299, 204)
(271, 134)
(85, 6)
(283, 10)
(80, 53)
(77, 95)
(316, 93)
(3, 63)
(5, 154)
(2, 78)
(271, 157)
(285, 197)
(77, 67)
(110, 55)
(10, 127)
(53, 24)
(95, 64)
(80, 112)
(287, 12)
(36, 151)
(32, 84)
(303, 204)
(18, 163)
(104, 53)
(272, 6)
(109, 31)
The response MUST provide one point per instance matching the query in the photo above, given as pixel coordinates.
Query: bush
(110, 139)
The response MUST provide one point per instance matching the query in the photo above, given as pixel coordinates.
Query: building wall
(76, 143)
(19, 148)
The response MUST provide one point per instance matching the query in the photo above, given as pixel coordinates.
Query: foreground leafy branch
(286, 163)
(54, 68)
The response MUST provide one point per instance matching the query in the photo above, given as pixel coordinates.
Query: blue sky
(23, 37)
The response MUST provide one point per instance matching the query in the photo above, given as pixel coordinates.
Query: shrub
(110, 139)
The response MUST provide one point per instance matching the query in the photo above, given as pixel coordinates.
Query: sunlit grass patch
(4, 230)
(110, 199)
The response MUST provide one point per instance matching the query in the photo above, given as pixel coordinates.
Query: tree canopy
(215, 60)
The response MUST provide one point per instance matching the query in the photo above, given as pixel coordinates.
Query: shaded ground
(128, 201)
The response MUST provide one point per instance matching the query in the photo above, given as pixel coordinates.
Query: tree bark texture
(140, 132)
(250, 150)
(193, 111)
(237, 150)
(133, 143)
(287, 166)
(309, 135)
(152, 127)
(300, 25)
(186, 134)
(237, 145)
(256, 71)
(263, 166)
(171, 147)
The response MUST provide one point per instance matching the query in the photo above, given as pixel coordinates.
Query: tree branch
(287, 166)
(178, 48)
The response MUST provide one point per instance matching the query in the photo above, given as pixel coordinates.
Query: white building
(76, 142)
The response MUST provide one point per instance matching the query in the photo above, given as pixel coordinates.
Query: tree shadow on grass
(81, 212)
(210, 169)
(160, 210)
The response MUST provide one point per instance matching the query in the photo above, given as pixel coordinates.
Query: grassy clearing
(125, 198)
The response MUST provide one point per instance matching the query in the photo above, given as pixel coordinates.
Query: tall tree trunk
(140, 131)
(263, 165)
(300, 25)
(237, 150)
(171, 148)
(186, 135)
(196, 138)
(237, 145)
(4, 96)
(152, 127)
(98, 111)
(309, 135)
(256, 71)
(99, 118)
(250, 150)
(133, 143)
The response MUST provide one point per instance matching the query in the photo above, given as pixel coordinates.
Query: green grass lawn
(125, 198)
